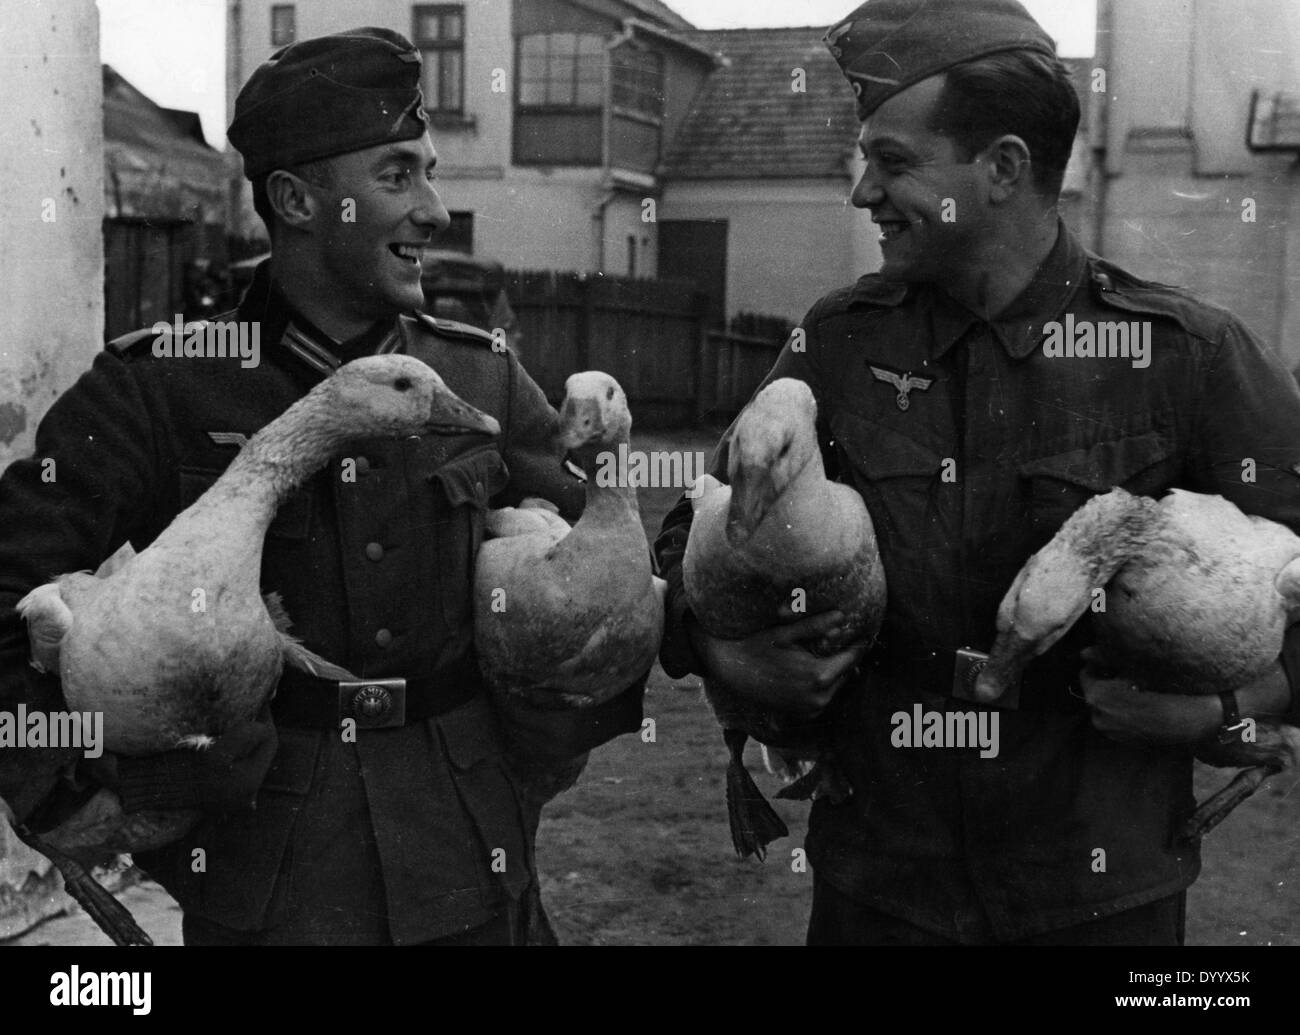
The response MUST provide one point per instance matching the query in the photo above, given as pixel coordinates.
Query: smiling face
(376, 213)
(931, 204)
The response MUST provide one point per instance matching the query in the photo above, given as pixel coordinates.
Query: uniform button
(363, 465)
(374, 551)
(383, 637)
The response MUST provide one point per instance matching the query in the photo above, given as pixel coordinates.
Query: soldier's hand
(1127, 712)
(775, 668)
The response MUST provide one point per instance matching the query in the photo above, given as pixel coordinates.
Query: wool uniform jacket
(971, 445)
(410, 833)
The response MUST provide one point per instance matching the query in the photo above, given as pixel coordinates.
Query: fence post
(700, 371)
(586, 288)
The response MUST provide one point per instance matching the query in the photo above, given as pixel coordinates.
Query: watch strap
(1231, 717)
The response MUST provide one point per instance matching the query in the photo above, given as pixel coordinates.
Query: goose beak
(580, 423)
(752, 494)
(449, 414)
(1007, 662)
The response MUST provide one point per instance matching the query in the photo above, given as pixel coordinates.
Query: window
(439, 32)
(638, 81)
(561, 70)
(284, 27)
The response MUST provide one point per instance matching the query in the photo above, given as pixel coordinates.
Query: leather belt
(1048, 684)
(304, 702)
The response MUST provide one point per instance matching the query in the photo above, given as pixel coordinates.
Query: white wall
(52, 282)
(788, 241)
(528, 219)
(51, 165)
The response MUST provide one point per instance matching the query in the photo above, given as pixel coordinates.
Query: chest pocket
(1056, 486)
(462, 488)
(895, 474)
(292, 520)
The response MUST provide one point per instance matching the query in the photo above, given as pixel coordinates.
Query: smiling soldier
(417, 827)
(971, 446)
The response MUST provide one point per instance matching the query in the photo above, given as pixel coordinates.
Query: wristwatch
(1232, 721)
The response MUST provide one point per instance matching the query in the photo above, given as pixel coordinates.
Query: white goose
(1197, 595)
(779, 532)
(175, 644)
(570, 617)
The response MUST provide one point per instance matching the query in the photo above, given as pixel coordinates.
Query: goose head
(594, 416)
(397, 395)
(1055, 587)
(1287, 584)
(773, 440)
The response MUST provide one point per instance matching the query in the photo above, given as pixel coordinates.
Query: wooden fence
(652, 335)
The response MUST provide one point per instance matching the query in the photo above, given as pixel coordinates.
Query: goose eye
(784, 449)
(609, 392)
(402, 384)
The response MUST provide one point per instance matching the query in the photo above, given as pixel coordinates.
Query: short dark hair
(319, 172)
(1021, 92)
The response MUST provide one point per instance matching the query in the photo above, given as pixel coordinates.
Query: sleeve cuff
(1290, 659)
(165, 781)
(558, 735)
(676, 653)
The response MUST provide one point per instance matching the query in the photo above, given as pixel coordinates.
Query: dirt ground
(639, 853)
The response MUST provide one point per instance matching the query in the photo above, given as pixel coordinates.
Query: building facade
(1175, 194)
(549, 115)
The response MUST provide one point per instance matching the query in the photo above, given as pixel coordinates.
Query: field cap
(885, 46)
(327, 96)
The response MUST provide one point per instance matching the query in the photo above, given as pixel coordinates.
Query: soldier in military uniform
(422, 829)
(936, 364)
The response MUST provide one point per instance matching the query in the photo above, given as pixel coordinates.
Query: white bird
(571, 617)
(175, 644)
(779, 533)
(1197, 595)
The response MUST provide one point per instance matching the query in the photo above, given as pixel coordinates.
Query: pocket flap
(473, 478)
(888, 454)
(194, 482)
(292, 518)
(469, 735)
(295, 761)
(1104, 465)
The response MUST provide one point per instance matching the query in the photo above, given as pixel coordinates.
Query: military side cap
(885, 46)
(327, 96)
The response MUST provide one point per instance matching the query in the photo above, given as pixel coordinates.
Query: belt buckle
(374, 704)
(967, 665)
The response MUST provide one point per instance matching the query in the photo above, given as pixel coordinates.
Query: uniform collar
(302, 340)
(1019, 328)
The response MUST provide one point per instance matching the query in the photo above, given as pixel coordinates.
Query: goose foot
(1215, 809)
(803, 788)
(754, 823)
(108, 914)
(823, 780)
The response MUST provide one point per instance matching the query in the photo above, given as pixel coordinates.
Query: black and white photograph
(651, 473)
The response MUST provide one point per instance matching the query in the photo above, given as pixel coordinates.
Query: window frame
(549, 106)
(425, 44)
(655, 117)
(292, 12)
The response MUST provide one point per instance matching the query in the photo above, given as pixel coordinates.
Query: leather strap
(1046, 686)
(1231, 717)
(305, 702)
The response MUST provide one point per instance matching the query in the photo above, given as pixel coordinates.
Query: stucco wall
(1168, 225)
(51, 284)
(788, 241)
(1180, 76)
(52, 279)
(530, 219)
